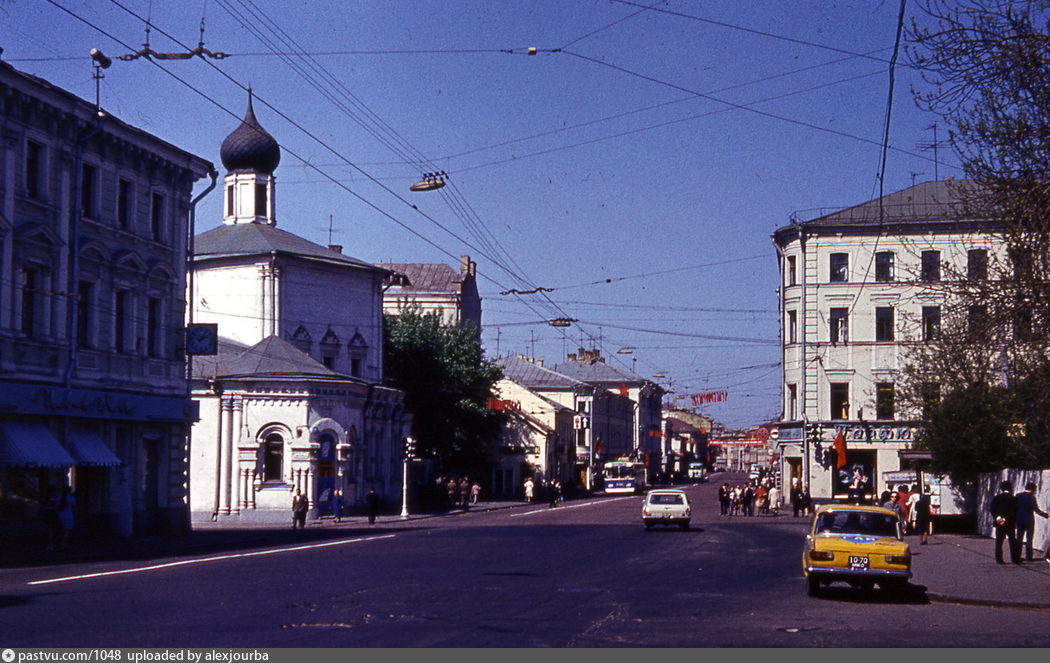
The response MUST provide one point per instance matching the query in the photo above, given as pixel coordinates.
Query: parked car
(666, 507)
(860, 545)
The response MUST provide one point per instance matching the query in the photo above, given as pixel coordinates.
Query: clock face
(202, 339)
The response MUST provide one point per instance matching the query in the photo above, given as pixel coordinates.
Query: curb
(987, 603)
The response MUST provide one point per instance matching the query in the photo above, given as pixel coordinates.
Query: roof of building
(928, 203)
(597, 372)
(249, 147)
(245, 239)
(533, 376)
(426, 277)
(272, 357)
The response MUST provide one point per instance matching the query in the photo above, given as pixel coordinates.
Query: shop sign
(94, 404)
(876, 432)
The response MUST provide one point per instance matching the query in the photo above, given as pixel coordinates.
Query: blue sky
(636, 165)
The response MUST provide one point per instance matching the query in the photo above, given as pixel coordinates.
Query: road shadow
(673, 529)
(910, 595)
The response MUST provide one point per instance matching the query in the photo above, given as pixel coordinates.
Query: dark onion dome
(249, 147)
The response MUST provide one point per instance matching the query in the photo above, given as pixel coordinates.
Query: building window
(260, 200)
(35, 170)
(839, 267)
(153, 328)
(840, 325)
(884, 266)
(976, 320)
(88, 184)
(884, 323)
(931, 323)
(355, 368)
(792, 270)
(30, 293)
(930, 268)
(792, 402)
(229, 200)
(157, 217)
(328, 361)
(884, 399)
(977, 264)
(124, 197)
(839, 400)
(1023, 260)
(792, 326)
(931, 398)
(1023, 324)
(85, 301)
(120, 320)
(273, 458)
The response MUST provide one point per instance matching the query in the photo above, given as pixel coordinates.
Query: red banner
(746, 442)
(709, 397)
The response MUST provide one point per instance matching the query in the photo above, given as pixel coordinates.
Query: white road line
(571, 506)
(217, 558)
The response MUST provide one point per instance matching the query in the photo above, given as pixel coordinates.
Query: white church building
(293, 400)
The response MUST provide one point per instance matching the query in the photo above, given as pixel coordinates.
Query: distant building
(435, 288)
(93, 389)
(293, 400)
(858, 286)
(602, 419)
(685, 440)
(644, 430)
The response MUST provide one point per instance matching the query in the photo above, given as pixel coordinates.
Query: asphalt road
(583, 575)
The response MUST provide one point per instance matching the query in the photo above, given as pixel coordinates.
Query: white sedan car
(666, 507)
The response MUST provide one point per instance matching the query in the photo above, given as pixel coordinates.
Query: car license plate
(858, 562)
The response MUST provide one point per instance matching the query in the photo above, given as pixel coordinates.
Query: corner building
(858, 286)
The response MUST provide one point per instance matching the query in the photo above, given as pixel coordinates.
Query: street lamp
(409, 451)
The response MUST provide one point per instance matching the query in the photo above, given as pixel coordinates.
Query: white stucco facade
(855, 294)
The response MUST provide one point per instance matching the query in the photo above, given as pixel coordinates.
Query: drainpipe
(191, 232)
(806, 473)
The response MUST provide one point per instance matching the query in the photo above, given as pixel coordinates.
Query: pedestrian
(337, 505)
(796, 498)
(904, 499)
(747, 500)
(774, 500)
(805, 500)
(920, 516)
(453, 489)
(553, 495)
(760, 498)
(372, 504)
(464, 492)
(724, 497)
(893, 503)
(475, 492)
(300, 505)
(65, 513)
(529, 486)
(1004, 514)
(1027, 507)
(558, 491)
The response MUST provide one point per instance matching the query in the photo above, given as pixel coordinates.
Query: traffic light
(410, 447)
(814, 431)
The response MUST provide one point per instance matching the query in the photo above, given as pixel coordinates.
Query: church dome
(249, 147)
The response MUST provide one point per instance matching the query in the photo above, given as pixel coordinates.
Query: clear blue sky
(636, 164)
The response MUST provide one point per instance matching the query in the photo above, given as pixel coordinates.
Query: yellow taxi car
(861, 545)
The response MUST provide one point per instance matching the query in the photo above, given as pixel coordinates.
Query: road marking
(571, 506)
(217, 558)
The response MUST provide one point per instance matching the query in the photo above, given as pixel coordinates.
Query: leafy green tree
(986, 67)
(447, 382)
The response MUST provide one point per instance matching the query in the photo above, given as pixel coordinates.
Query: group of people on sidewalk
(744, 499)
(1014, 520)
(913, 507)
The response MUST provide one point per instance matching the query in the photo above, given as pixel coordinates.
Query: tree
(447, 383)
(987, 67)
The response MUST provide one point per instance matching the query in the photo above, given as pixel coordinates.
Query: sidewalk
(961, 568)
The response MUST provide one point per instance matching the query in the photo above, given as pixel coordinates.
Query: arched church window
(273, 458)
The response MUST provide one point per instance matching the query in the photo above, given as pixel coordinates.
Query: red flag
(840, 450)
(624, 391)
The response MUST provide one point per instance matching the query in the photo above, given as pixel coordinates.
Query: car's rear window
(857, 522)
(665, 499)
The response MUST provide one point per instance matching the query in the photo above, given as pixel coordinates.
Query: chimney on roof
(539, 362)
(338, 248)
(467, 267)
(572, 356)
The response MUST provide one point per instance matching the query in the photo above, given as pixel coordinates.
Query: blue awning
(31, 445)
(89, 449)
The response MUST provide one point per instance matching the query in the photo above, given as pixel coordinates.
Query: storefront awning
(31, 445)
(89, 449)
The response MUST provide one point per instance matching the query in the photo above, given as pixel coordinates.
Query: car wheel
(648, 525)
(684, 526)
(812, 586)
